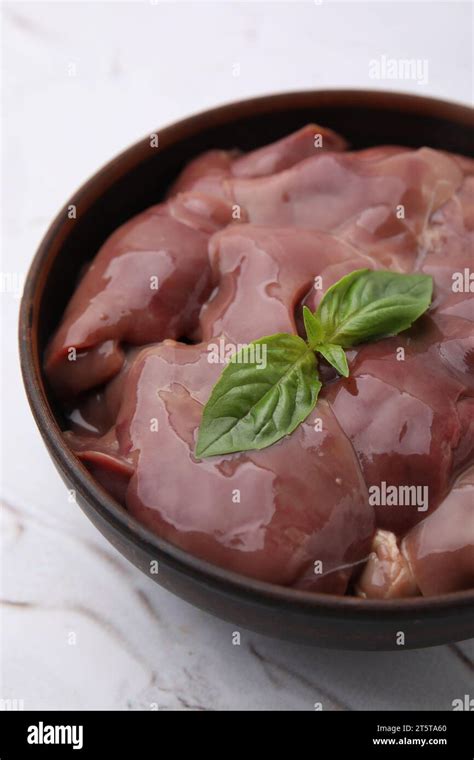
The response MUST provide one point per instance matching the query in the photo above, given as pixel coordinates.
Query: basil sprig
(252, 406)
(255, 404)
(367, 305)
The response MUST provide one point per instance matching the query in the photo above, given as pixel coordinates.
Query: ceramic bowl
(139, 177)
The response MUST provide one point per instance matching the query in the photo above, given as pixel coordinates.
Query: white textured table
(81, 628)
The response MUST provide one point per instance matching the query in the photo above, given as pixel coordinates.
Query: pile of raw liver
(233, 253)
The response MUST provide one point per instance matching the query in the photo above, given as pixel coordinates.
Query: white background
(137, 67)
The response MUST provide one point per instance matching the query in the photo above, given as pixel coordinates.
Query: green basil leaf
(336, 356)
(370, 304)
(251, 407)
(313, 327)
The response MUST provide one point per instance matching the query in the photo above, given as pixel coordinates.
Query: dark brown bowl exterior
(138, 178)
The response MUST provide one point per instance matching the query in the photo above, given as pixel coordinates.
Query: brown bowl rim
(76, 473)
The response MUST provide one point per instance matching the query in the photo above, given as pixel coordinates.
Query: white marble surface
(81, 628)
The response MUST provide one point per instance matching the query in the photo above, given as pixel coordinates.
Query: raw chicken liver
(241, 242)
(255, 512)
